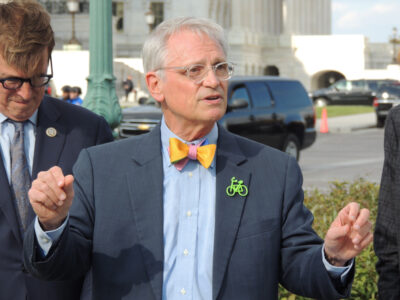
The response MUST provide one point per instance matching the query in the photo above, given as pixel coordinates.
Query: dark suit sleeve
(303, 271)
(71, 256)
(387, 225)
(104, 133)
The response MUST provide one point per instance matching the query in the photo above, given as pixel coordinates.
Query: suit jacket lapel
(145, 183)
(6, 203)
(228, 209)
(47, 149)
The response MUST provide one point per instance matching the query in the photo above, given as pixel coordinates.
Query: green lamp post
(101, 97)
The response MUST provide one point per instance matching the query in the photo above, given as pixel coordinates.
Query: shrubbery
(325, 207)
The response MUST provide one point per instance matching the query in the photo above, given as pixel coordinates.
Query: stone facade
(290, 38)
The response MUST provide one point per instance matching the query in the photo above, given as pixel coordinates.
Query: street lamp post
(101, 96)
(394, 41)
(73, 8)
(150, 18)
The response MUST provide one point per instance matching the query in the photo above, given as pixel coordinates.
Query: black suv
(272, 110)
(350, 92)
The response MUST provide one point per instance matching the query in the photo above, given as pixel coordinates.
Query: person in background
(66, 89)
(387, 228)
(128, 86)
(36, 132)
(189, 210)
(74, 95)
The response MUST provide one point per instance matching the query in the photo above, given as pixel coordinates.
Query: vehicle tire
(320, 102)
(380, 121)
(291, 146)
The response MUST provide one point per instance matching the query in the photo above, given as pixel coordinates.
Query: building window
(118, 13)
(158, 11)
(60, 6)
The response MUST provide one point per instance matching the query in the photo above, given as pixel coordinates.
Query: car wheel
(380, 122)
(320, 102)
(292, 146)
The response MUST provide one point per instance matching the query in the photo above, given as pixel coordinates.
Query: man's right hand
(51, 197)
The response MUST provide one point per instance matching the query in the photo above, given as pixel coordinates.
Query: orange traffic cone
(324, 121)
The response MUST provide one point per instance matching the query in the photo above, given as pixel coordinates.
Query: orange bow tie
(180, 153)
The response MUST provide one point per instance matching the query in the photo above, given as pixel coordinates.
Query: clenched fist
(51, 197)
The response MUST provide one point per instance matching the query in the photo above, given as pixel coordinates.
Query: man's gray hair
(154, 52)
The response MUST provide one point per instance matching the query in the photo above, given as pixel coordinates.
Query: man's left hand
(348, 235)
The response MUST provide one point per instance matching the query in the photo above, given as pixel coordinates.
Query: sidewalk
(346, 124)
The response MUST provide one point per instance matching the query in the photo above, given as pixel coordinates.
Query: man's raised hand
(51, 197)
(348, 235)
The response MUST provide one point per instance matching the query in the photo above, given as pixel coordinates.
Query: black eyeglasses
(198, 72)
(14, 83)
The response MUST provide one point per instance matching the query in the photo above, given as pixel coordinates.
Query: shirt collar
(32, 119)
(166, 134)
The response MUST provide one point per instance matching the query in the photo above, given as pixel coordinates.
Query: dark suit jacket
(387, 228)
(77, 128)
(116, 224)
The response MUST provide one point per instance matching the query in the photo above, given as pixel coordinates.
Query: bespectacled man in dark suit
(189, 210)
(36, 132)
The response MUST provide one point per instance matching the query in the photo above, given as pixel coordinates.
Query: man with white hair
(189, 210)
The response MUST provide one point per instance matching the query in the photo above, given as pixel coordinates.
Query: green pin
(236, 186)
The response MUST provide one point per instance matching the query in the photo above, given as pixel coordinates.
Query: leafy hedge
(325, 207)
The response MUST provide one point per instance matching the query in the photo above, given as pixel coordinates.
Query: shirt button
(186, 252)
(189, 213)
(190, 174)
(183, 291)
(46, 240)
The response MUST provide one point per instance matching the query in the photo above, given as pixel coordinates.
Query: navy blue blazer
(116, 225)
(77, 128)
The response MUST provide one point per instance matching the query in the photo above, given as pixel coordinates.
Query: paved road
(350, 152)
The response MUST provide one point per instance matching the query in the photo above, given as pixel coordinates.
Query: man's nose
(25, 91)
(211, 78)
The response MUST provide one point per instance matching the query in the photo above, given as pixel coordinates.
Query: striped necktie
(20, 177)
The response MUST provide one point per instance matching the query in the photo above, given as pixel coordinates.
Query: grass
(344, 110)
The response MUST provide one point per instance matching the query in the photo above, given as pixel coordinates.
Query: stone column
(101, 97)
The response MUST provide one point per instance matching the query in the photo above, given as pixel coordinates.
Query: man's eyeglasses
(198, 72)
(14, 83)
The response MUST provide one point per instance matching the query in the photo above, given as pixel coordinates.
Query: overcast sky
(372, 18)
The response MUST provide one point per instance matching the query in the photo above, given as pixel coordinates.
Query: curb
(347, 124)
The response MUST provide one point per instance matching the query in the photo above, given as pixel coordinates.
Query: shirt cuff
(335, 272)
(47, 238)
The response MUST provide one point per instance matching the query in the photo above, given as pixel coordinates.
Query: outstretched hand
(348, 235)
(51, 197)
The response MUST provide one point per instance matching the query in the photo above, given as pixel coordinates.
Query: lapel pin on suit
(51, 132)
(236, 186)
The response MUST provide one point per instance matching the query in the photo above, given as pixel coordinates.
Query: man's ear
(154, 85)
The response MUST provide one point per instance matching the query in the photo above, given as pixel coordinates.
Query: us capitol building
(290, 38)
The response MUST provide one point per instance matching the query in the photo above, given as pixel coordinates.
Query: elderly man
(36, 132)
(189, 211)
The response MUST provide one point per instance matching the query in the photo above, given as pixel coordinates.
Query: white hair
(154, 51)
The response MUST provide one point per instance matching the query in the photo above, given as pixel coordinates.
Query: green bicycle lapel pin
(236, 186)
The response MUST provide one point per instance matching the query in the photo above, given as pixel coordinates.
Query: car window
(240, 93)
(340, 85)
(289, 93)
(259, 94)
(357, 85)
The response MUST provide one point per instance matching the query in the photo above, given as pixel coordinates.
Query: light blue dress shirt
(189, 222)
(7, 131)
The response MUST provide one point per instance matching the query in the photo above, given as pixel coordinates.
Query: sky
(373, 18)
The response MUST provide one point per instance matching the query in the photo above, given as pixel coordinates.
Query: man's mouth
(19, 100)
(213, 97)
